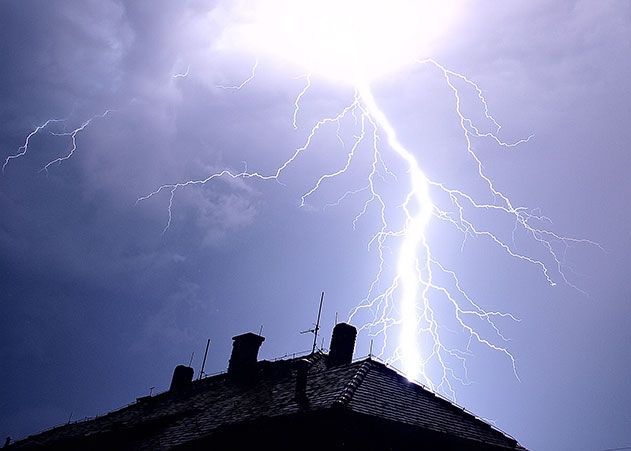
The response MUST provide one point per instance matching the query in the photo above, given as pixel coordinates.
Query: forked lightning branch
(405, 311)
(411, 288)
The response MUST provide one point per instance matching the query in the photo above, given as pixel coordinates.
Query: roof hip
(347, 393)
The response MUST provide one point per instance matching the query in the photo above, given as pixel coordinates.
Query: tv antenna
(201, 372)
(316, 329)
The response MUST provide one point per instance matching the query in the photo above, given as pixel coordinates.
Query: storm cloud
(98, 302)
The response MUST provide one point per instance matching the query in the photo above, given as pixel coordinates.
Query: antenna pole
(317, 326)
(201, 372)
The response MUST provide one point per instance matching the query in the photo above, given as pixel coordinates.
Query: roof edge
(385, 367)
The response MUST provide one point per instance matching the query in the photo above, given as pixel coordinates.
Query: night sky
(98, 304)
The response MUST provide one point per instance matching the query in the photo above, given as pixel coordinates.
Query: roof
(365, 387)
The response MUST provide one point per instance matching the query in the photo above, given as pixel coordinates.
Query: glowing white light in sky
(418, 201)
(354, 43)
(350, 41)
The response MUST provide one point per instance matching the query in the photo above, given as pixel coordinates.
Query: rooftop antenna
(316, 329)
(190, 362)
(201, 372)
(261, 331)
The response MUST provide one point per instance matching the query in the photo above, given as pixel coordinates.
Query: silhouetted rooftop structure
(322, 401)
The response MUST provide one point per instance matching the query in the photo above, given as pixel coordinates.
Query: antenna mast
(317, 326)
(201, 372)
(316, 329)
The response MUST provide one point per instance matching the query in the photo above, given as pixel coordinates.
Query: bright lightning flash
(349, 41)
(355, 43)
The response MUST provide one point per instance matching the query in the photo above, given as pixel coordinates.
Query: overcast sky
(98, 305)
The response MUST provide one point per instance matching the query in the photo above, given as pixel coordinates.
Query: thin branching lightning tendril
(24, 148)
(182, 74)
(244, 82)
(22, 151)
(410, 300)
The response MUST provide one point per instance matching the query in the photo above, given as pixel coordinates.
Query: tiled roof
(386, 394)
(365, 387)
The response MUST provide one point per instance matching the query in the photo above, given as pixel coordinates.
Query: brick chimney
(342, 345)
(302, 369)
(182, 378)
(245, 350)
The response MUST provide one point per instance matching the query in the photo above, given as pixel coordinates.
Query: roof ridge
(349, 390)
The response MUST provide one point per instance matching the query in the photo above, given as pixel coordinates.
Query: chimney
(342, 344)
(182, 378)
(302, 367)
(245, 350)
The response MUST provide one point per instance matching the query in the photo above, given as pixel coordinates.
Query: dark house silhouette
(322, 401)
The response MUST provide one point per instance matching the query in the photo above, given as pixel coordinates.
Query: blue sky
(98, 304)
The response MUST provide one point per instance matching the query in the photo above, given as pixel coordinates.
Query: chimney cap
(245, 349)
(249, 337)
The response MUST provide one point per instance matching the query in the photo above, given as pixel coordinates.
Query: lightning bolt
(244, 82)
(182, 74)
(294, 122)
(22, 150)
(73, 138)
(24, 147)
(411, 300)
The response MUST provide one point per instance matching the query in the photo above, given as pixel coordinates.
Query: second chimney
(182, 378)
(342, 344)
(245, 350)
(302, 368)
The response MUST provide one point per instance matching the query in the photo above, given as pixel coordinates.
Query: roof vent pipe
(342, 344)
(182, 378)
(245, 350)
